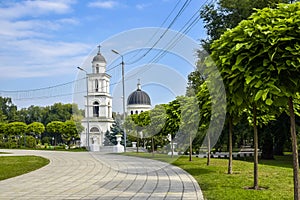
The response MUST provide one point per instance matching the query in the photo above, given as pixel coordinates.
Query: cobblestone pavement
(94, 175)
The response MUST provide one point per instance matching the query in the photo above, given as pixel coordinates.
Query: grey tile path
(91, 175)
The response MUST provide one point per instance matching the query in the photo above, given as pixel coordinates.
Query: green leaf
(238, 67)
(258, 95)
(238, 46)
(269, 102)
(240, 58)
(249, 79)
(239, 100)
(264, 95)
(266, 62)
(258, 84)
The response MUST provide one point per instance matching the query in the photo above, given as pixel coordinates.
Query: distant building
(98, 112)
(138, 101)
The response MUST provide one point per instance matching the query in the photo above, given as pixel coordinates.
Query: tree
(110, 136)
(56, 128)
(204, 100)
(35, 128)
(77, 120)
(261, 53)
(190, 119)
(141, 121)
(8, 110)
(173, 118)
(31, 114)
(157, 121)
(16, 130)
(59, 112)
(69, 131)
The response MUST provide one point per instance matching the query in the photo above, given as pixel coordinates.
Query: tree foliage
(110, 136)
(227, 14)
(16, 128)
(35, 128)
(69, 131)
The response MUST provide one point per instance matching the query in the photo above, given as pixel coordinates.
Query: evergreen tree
(110, 136)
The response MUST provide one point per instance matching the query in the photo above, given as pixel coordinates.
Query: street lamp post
(123, 86)
(87, 111)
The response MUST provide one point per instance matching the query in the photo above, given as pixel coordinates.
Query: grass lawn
(276, 176)
(11, 166)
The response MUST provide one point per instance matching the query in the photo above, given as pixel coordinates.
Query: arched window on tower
(131, 112)
(136, 112)
(97, 69)
(96, 109)
(96, 85)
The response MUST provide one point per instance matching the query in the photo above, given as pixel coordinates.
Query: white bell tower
(98, 112)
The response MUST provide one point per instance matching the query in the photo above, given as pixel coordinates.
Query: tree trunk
(208, 150)
(152, 141)
(295, 149)
(230, 146)
(172, 147)
(191, 148)
(255, 186)
(137, 140)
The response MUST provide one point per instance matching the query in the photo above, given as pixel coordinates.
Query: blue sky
(42, 43)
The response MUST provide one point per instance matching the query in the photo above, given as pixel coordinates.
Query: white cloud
(40, 58)
(33, 28)
(34, 8)
(29, 43)
(142, 6)
(103, 4)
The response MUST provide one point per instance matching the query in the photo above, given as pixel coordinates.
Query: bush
(30, 142)
(46, 140)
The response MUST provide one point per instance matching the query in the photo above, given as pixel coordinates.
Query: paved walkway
(91, 175)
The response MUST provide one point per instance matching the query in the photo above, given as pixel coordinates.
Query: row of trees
(258, 59)
(58, 123)
(56, 112)
(19, 132)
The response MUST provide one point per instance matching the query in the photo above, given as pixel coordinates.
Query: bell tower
(98, 112)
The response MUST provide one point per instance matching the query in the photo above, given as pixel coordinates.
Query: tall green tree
(157, 117)
(173, 120)
(58, 112)
(8, 110)
(190, 119)
(204, 101)
(69, 131)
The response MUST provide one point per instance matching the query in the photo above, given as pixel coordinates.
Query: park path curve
(94, 175)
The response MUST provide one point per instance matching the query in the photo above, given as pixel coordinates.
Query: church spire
(99, 47)
(139, 85)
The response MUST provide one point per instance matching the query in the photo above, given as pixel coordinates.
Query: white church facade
(98, 105)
